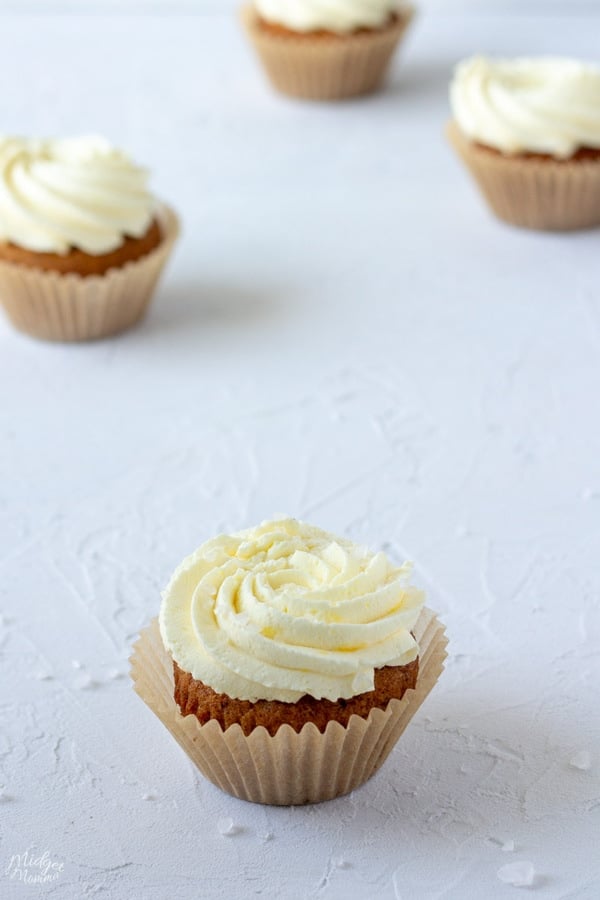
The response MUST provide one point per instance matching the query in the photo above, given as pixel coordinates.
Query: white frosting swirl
(77, 192)
(284, 610)
(340, 16)
(544, 105)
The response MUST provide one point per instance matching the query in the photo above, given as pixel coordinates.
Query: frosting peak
(286, 609)
(541, 105)
(76, 192)
(328, 15)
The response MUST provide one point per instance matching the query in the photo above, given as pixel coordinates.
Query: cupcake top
(286, 609)
(544, 105)
(340, 16)
(79, 192)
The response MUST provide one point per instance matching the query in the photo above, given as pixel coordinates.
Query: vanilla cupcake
(529, 131)
(319, 50)
(287, 661)
(82, 239)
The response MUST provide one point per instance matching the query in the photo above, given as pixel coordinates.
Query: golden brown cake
(582, 154)
(281, 31)
(79, 262)
(197, 699)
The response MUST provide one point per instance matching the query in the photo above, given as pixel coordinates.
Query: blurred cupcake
(529, 131)
(288, 661)
(320, 50)
(82, 240)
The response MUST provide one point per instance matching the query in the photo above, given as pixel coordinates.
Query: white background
(346, 335)
(570, 7)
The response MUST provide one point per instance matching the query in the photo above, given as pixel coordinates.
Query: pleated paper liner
(58, 307)
(289, 768)
(542, 194)
(318, 68)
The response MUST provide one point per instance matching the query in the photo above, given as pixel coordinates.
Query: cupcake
(529, 131)
(82, 239)
(287, 662)
(320, 50)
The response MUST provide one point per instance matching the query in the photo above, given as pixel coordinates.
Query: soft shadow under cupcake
(197, 307)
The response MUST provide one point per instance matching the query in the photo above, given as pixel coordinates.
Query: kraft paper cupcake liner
(289, 768)
(543, 194)
(326, 68)
(68, 307)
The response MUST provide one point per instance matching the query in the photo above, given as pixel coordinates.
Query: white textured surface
(345, 335)
(202, 7)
